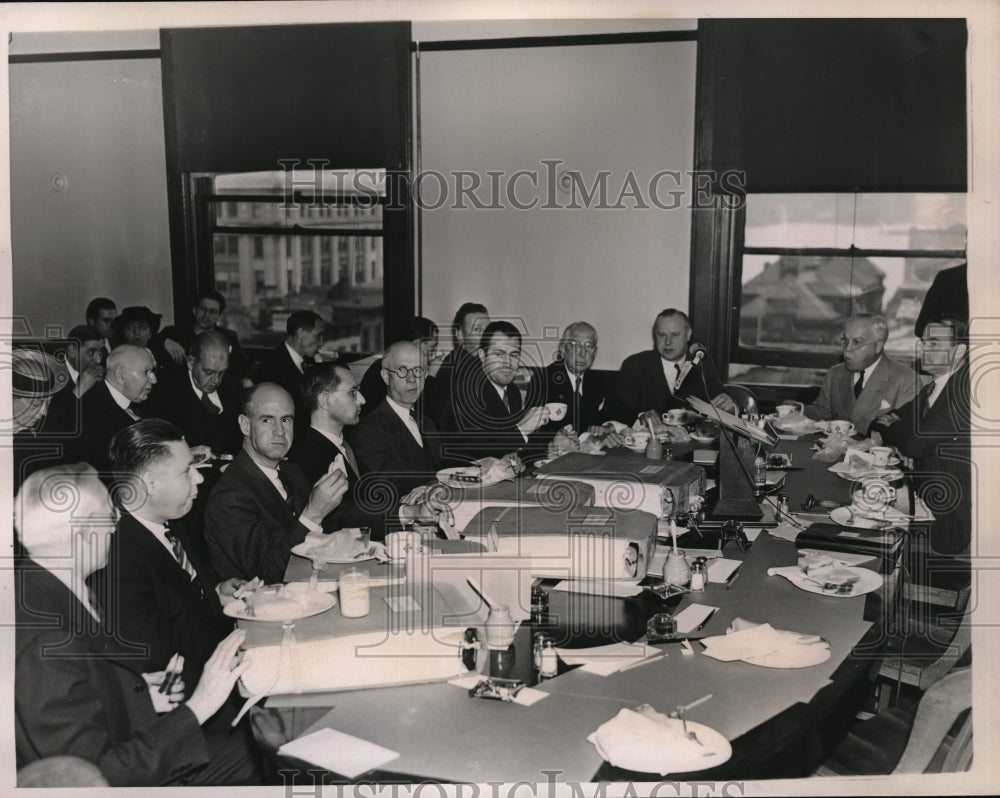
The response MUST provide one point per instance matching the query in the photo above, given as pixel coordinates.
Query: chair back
(941, 705)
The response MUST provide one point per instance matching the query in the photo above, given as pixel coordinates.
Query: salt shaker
(698, 575)
(782, 511)
(549, 661)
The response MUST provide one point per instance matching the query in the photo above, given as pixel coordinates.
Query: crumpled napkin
(748, 640)
(857, 464)
(650, 742)
(796, 423)
(342, 545)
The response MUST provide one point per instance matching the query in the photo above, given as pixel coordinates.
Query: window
(809, 261)
(272, 254)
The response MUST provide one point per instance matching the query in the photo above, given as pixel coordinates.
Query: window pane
(868, 221)
(264, 278)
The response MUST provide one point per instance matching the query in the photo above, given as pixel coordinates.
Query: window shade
(835, 104)
(244, 97)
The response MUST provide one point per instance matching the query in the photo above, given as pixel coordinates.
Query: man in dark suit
(934, 431)
(172, 345)
(418, 330)
(486, 415)
(568, 380)
(100, 315)
(390, 440)
(334, 401)
(77, 690)
(158, 590)
(263, 505)
(649, 380)
(83, 359)
(285, 364)
(203, 400)
(113, 404)
(467, 329)
(868, 383)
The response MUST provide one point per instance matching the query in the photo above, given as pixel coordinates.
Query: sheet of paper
(721, 569)
(692, 617)
(338, 752)
(605, 660)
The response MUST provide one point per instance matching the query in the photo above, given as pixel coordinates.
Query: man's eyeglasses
(418, 372)
(582, 346)
(853, 343)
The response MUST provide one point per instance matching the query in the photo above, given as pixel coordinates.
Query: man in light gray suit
(868, 383)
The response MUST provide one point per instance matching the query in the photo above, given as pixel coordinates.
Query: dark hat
(137, 313)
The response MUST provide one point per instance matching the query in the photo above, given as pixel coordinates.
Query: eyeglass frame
(418, 372)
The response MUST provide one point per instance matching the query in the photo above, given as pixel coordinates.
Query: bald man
(568, 379)
(91, 700)
(113, 404)
(262, 504)
(203, 399)
(390, 440)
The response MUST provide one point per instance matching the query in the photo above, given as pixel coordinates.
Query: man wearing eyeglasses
(112, 404)
(868, 383)
(933, 431)
(568, 379)
(391, 440)
(334, 401)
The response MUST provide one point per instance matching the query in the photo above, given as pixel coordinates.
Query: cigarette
(171, 674)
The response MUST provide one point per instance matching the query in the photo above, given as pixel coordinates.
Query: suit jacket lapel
(261, 486)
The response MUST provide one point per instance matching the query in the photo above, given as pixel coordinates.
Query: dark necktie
(133, 410)
(925, 397)
(506, 400)
(307, 362)
(859, 383)
(286, 483)
(209, 405)
(349, 457)
(180, 555)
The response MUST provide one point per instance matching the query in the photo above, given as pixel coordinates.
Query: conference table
(780, 722)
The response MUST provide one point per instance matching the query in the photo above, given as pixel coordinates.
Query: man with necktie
(159, 592)
(203, 400)
(334, 401)
(390, 440)
(286, 363)
(262, 504)
(660, 378)
(485, 416)
(78, 689)
(868, 382)
(113, 404)
(569, 379)
(934, 431)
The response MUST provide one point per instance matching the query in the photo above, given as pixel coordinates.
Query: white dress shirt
(121, 400)
(404, 414)
(213, 397)
(671, 370)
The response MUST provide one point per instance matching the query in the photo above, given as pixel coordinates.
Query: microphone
(697, 352)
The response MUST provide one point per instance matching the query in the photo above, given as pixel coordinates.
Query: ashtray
(497, 689)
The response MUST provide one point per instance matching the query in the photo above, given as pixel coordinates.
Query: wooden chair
(896, 741)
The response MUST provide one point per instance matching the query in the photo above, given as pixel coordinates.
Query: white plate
(862, 519)
(716, 751)
(867, 582)
(444, 477)
(794, 655)
(704, 438)
(305, 605)
(316, 554)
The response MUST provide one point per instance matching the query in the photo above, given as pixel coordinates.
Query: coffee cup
(874, 495)
(399, 544)
(637, 437)
(880, 455)
(557, 410)
(842, 427)
(675, 416)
